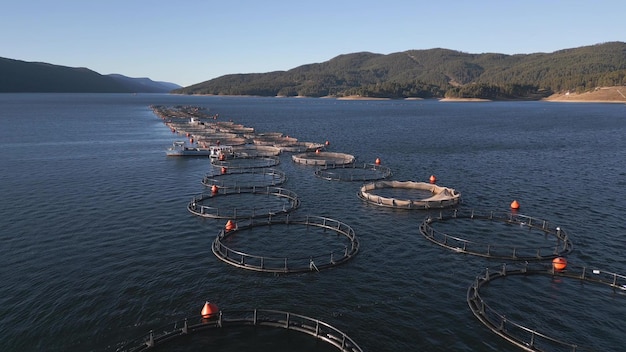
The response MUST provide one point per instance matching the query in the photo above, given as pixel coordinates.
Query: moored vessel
(221, 152)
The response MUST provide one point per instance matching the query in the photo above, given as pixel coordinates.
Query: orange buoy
(224, 170)
(377, 161)
(432, 179)
(214, 189)
(514, 205)
(209, 310)
(230, 225)
(327, 143)
(559, 263)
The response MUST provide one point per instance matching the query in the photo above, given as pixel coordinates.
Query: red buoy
(559, 263)
(222, 157)
(214, 189)
(224, 170)
(377, 161)
(327, 143)
(514, 205)
(432, 179)
(230, 225)
(317, 151)
(209, 310)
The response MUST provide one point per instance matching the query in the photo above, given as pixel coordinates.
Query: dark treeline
(436, 73)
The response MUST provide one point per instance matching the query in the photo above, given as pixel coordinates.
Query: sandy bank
(358, 97)
(463, 99)
(599, 95)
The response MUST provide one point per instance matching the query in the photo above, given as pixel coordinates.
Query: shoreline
(611, 95)
(478, 100)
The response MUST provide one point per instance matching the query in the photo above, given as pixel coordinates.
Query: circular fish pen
(255, 177)
(277, 140)
(208, 140)
(528, 338)
(434, 196)
(182, 333)
(300, 147)
(227, 203)
(243, 162)
(352, 172)
(250, 150)
(231, 127)
(323, 158)
(549, 241)
(286, 234)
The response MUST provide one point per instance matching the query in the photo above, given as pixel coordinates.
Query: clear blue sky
(191, 41)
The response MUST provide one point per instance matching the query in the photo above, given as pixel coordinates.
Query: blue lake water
(97, 246)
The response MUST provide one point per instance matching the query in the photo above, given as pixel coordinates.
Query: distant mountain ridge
(18, 76)
(435, 73)
(145, 85)
(432, 73)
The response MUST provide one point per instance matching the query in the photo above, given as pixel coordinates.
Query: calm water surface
(97, 247)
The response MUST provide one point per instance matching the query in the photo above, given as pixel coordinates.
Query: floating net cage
(251, 150)
(263, 135)
(247, 162)
(213, 134)
(275, 140)
(300, 147)
(255, 177)
(434, 196)
(528, 338)
(353, 172)
(333, 242)
(519, 237)
(208, 140)
(231, 127)
(323, 158)
(243, 202)
(181, 333)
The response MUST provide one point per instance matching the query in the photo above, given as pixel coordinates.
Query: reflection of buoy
(432, 179)
(214, 189)
(209, 310)
(559, 263)
(230, 225)
(224, 170)
(514, 205)
(377, 161)
(327, 143)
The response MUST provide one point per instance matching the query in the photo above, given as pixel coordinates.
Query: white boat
(219, 152)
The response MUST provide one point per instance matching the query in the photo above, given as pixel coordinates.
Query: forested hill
(37, 77)
(435, 73)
